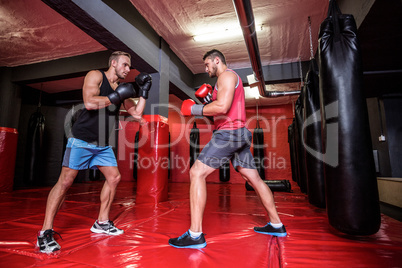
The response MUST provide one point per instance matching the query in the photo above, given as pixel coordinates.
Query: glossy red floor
(230, 216)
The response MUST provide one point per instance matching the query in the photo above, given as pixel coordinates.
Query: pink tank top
(236, 116)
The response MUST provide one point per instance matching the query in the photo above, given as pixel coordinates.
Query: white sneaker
(107, 228)
(46, 242)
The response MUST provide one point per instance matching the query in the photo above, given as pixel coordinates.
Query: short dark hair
(212, 54)
(115, 55)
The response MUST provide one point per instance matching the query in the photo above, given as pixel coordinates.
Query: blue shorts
(225, 145)
(83, 155)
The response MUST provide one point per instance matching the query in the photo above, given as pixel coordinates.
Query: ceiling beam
(90, 17)
(359, 9)
(273, 74)
(60, 69)
(179, 75)
(117, 25)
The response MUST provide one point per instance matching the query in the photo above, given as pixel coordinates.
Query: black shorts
(228, 145)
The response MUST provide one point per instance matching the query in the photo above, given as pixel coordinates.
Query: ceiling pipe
(246, 19)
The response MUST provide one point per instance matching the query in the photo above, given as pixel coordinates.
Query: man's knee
(66, 179)
(199, 170)
(250, 175)
(114, 179)
(194, 171)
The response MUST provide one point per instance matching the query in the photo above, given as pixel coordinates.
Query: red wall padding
(274, 120)
(8, 153)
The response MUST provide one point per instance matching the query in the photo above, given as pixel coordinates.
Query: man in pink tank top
(231, 141)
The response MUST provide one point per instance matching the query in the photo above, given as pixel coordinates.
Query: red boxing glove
(204, 93)
(186, 107)
(189, 107)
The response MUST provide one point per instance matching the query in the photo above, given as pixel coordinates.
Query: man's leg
(108, 192)
(274, 227)
(46, 242)
(57, 195)
(194, 238)
(104, 225)
(198, 193)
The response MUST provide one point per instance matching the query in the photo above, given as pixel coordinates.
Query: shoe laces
(48, 235)
(111, 225)
(183, 235)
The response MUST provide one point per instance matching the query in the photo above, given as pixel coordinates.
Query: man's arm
(144, 83)
(91, 91)
(135, 110)
(226, 86)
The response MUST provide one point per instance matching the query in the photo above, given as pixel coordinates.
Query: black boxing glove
(122, 92)
(144, 82)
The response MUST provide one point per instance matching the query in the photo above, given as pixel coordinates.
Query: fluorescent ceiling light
(222, 34)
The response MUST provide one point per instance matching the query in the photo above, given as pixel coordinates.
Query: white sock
(194, 234)
(41, 232)
(103, 222)
(276, 225)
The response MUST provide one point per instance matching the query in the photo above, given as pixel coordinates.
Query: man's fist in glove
(122, 92)
(144, 82)
(189, 107)
(204, 93)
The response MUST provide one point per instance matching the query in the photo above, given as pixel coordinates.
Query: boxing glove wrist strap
(196, 109)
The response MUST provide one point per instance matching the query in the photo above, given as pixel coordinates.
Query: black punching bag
(258, 145)
(300, 150)
(351, 185)
(312, 137)
(274, 186)
(224, 171)
(291, 152)
(34, 149)
(135, 164)
(294, 152)
(169, 161)
(258, 151)
(194, 144)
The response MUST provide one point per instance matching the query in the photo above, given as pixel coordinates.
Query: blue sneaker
(270, 230)
(186, 241)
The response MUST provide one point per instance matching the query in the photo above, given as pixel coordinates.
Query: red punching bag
(153, 160)
(8, 153)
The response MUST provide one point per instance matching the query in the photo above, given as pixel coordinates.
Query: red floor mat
(230, 216)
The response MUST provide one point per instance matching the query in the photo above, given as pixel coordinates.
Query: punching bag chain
(301, 73)
(311, 39)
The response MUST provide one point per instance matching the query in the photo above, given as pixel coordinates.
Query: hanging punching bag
(169, 161)
(312, 137)
(258, 151)
(8, 153)
(194, 144)
(291, 151)
(258, 145)
(294, 151)
(34, 149)
(135, 164)
(300, 150)
(224, 171)
(350, 179)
